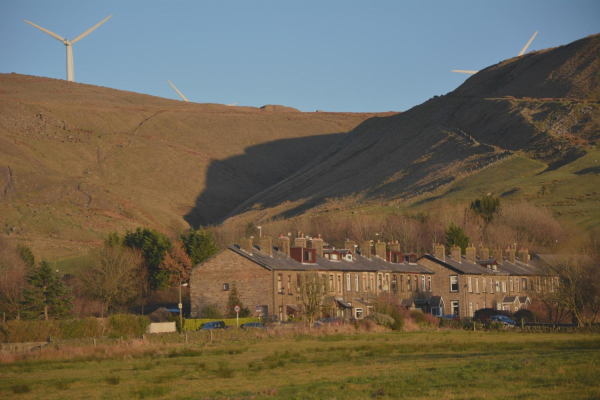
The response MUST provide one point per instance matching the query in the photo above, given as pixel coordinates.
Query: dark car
(254, 325)
(452, 317)
(214, 325)
(318, 325)
(503, 319)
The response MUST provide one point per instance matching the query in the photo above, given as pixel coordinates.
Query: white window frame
(422, 283)
(348, 283)
(429, 282)
(503, 287)
(512, 285)
(477, 285)
(356, 312)
(469, 282)
(356, 279)
(484, 286)
(454, 303)
(453, 277)
(471, 309)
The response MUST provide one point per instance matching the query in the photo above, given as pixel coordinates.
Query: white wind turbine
(185, 99)
(463, 71)
(69, 43)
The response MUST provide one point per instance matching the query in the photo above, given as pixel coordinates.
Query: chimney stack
(365, 249)
(266, 245)
(510, 255)
(524, 255)
(484, 253)
(317, 244)
(498, 254)
(395, 246)
(455, 252)
(471, 253)
(349, 245)
(300, 241)
(246, 245)
(440, 252)
(284, 244)
(380, 248)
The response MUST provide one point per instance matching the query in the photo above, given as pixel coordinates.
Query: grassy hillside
(79, 161)
(526, 128)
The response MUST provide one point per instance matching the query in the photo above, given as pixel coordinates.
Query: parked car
(503, 319)
(318, 325)
(254, 325)
(214, 325)
(453, 317)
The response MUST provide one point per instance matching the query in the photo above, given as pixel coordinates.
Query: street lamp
(181, 306)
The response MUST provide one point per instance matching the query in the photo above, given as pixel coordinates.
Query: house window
(503, 287)
(423, 283)
(358, 313)
(279, 283)
(348, 283)
(372, 282)
(281, 313)
(395, 283)
(454, 283)
(402, 283)
(416, 283)
(524, 280)
(518, 286)
(470, 309)
(491, 285)
(484, 304)
(334, 257)
(429, 282)
(349, 257)
(331, 288)
(470, 284)
(339, 283)
(364, 282)
(289, 284)
(356, 282)
(225, 287)
(387, 282)
(408, 286)
(512, 285)
(497, 286)
(379, 278)
(484, 285)
(454, 307)
(307, 256)
(477, 285)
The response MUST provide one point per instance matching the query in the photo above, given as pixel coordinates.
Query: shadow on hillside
(234, 180)
(590, 170)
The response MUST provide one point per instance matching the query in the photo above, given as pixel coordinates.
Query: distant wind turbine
(185, 99)
(178, 92)
(69, 43)
(464, 71)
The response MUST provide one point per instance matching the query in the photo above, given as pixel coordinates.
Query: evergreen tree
(154, 247)
(199, 245)
(26, 255)
(47, 296)
(486, 207)
(456, 236)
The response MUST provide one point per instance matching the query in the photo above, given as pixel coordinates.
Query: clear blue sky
(329, 55)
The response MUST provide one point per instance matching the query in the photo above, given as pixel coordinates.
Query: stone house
(474, 281)
(266, 277)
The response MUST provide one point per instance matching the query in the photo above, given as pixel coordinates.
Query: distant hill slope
(78, 161)
(542, 107)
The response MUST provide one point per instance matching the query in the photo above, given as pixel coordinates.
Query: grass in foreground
(446, 364)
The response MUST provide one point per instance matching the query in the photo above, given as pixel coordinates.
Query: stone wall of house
(253, 282)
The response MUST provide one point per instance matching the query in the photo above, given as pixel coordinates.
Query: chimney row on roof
(284, 244)
(455, 253)
(300, 241)
(510, 255)
(349, 245)
(471, 253)
(266, 245)
(440, 252)
(498, 254)
(395, 246)
(524, 255)
(484, 253)
(246, 245)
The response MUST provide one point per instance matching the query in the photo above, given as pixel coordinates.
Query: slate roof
(435, 301)
(467, 267)
(279, 261)
(509, 299)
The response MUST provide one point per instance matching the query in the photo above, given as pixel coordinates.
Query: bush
(398, 318)
(522, 316)
(418, 317)
(127, 325)
(80, 328)
(211, 311)
(381, 319)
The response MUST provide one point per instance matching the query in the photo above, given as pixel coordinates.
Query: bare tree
(311, 289)
(113, 277)
(12, 280)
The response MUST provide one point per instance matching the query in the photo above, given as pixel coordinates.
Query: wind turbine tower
(69, 44)
(177, 90)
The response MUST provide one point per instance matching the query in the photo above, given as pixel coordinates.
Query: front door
(265, 312)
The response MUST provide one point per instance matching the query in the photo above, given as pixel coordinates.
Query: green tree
(26, 255)
(250, 230)
(456, 236)
(199, 245)
(234, 300)
(154, 247)
(486, 207)
(47, 295)
(113, 239)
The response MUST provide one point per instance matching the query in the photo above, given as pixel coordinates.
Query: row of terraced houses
(266, 277)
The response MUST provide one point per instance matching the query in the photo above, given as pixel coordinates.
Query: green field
(442, 364)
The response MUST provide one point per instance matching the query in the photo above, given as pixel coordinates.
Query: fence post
(95, 343)
(186, 337)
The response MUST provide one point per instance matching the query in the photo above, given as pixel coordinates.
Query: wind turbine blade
(528, 43)
(84, 34)
(54, 35)
(231, 105)
(464, 71)
(177, 90)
